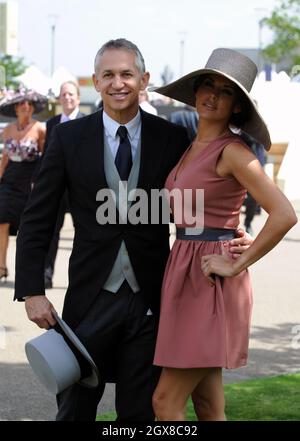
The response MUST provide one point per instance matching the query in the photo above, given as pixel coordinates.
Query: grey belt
(207, 234)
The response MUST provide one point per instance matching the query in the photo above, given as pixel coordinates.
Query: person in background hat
(188, 118)
(206, 295)
(23, 144)
(116, 267)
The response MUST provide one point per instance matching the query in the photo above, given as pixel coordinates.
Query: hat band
(85, 367)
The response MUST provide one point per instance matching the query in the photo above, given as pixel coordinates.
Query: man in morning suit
(115, 269)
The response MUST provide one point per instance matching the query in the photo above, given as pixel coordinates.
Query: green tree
(285, 24)
(13, 67)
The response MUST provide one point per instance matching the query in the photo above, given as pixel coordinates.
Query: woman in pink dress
(206, 295)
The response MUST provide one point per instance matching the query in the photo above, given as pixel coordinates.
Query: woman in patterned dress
(23, 144)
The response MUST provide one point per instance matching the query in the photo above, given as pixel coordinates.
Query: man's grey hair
(123, 44)
(70, 82)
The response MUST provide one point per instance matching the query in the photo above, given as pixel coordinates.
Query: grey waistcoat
(122, 268)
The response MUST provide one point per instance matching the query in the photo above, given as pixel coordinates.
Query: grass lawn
(263, 399)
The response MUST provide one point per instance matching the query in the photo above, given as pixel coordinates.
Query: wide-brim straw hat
(59, 359)
(7, 104)
(236, 67)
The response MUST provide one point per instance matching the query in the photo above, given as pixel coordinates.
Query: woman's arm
(243, 165)
(3, 163)
(5, 158)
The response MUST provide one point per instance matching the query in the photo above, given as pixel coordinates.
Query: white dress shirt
(134, 132)
(72, 115)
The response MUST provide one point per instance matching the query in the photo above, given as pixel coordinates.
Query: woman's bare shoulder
(38, 128)
(39, 125)
(8, 130)
(237, 148)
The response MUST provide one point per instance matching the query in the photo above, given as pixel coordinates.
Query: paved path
(276, 280)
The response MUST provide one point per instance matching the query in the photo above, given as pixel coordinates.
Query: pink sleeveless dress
(202, 325)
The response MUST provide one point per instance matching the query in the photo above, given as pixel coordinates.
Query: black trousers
(251, 205)
(120, 337)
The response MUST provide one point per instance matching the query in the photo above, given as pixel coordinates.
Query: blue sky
(156, 26)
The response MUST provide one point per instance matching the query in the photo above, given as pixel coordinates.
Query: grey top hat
(236, 67)
(59, 359)
(7, 104)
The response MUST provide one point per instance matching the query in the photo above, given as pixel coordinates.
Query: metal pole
(181, 53)
(53, 19)
(260, 11)
(181, 65)
(52, 48)
(260, 24)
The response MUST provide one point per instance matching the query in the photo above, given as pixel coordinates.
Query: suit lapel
(56, 120)
(53, 122)
(153, 143)
(80, 115)
(92, 152)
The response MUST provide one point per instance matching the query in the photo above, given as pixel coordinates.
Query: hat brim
(7, 106)
(183, 90)
(92, 380)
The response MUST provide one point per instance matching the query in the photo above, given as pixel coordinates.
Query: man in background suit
(188, 118)
(69, 98)
(116, 268)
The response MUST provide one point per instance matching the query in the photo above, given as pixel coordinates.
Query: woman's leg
(208, 397)
(172, 392)
(4, 235)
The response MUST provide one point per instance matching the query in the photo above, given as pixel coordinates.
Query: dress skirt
(202, 325)
(15, 188)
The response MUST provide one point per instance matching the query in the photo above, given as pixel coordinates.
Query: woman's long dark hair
(236, 119)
